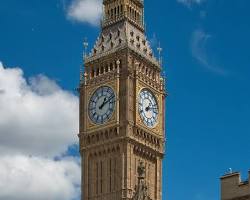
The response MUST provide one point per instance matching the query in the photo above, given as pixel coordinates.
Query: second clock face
(101, 105)
(148, 108)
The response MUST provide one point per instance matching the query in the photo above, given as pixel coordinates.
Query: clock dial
(148, 108)
(101, 105)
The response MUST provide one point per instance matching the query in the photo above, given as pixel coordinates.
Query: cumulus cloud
(189, 3)
(38, 122)
(199, 42)
(29, 178)
(36, 116)
(87, 11)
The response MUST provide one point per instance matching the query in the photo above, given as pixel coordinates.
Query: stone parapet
(233, 188)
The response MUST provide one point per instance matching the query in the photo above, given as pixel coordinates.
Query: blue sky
(206, 59)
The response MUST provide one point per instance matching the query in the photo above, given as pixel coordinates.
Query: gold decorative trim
(158, 128)
(114, 119)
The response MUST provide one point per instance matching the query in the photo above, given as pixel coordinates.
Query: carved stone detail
(123, 60)
(141, 189)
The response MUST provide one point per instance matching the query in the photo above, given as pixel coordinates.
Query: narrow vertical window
(110, 175)
(97, 178)
(101, 177)
(114, 188)
(89, 178)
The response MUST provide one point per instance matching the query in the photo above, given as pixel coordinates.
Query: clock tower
(122, 98)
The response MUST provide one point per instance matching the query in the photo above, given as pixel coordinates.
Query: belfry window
(112, 13)
(122, 9)
(111, 67)
(108, 14)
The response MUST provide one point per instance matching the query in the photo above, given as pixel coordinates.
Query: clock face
(101, 105)
(148, 108)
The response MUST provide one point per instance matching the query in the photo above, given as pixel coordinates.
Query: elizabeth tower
(122, 100)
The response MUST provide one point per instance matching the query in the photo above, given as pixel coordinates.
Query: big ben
(122, 98)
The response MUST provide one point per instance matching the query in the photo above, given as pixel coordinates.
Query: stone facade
(233, 188)
(114, 152)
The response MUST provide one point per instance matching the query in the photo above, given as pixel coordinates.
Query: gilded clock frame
(158, 128)
(90, 125)
(156, 99)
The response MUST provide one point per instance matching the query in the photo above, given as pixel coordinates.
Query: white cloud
(38, 121)
(199, 42)
(29, 178)
(87, 11)
(189, 3)
(37, 117)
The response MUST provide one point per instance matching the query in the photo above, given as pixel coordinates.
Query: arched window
(121, 9)
(111, 66)
(120, 64)
(97, 71)
(106, 68)
(112, 13)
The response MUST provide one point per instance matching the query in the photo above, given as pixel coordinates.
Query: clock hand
(111, 97)
(150, 108)
(101, 106)
(153, 107)
(106, 101)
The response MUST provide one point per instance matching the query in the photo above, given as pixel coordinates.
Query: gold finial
(85, 45)
(118, 62)
(159, 49)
